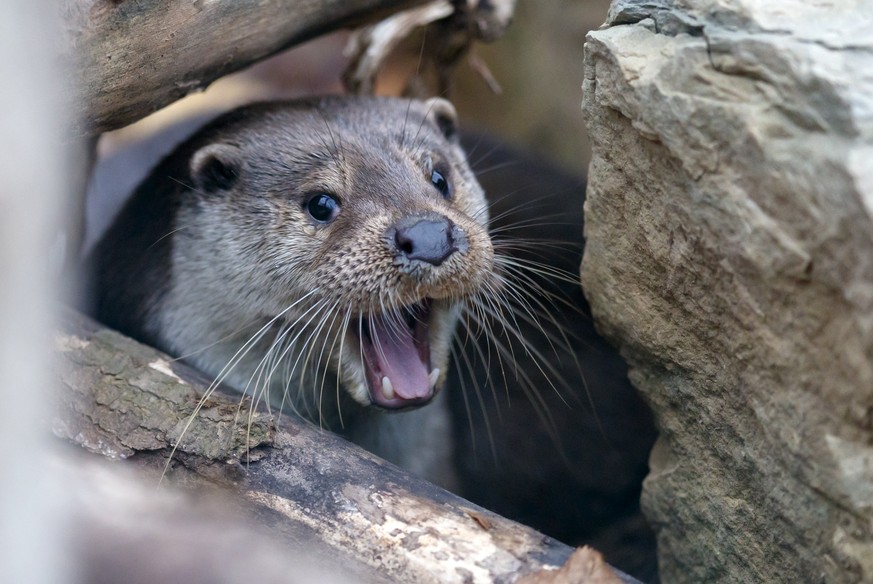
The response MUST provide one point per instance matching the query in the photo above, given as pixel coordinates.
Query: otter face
(362, 237)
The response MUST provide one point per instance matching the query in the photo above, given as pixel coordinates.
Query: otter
(263, 203)
(316, 254)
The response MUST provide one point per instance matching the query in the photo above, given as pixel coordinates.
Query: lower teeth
(433, 377)
(387, 388)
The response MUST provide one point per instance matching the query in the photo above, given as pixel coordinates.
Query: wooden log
(129, 59)
(124, 400)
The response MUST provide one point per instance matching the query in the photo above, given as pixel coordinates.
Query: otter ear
(215, 167)
(442, 113)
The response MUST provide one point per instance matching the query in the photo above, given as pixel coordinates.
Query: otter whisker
(497, 306)
(334, 314)
(539, 261)
(563, 341)
(464, 394)
(305, 356)
(224, 372)
(540, 222)
(500, 165)
(474, 164)
(488, 307)
(527, 384)
(303, 400)
(285, 327)
(521, 269)
(267, 365)
(309, 334)
(268, 361)
(319, 339)
(528, 314)
(339, 366)
(254, 339)
(264, 370)
(527, 301)
(532, 314)
(166, 235)
(485, 356)
(522, 300)
(335, 153)
(555, 299)
(416, 148)
(313, 312)
(532, 267)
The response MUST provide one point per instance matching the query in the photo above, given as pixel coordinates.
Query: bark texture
(129, 59)
(729, 222)
(312, 493)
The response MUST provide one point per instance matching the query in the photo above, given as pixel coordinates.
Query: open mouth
(395, 347)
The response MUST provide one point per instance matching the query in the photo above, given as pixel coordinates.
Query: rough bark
(730, 255)
(128, 59)
(309, 488)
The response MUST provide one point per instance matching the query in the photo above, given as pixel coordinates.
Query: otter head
(357, 222)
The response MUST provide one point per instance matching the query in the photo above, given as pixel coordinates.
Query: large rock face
(730, 255)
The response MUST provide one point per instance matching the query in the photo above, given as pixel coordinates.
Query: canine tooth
(387, 388)
(434, 375)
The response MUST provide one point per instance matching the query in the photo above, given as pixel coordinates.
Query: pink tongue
(398, 358)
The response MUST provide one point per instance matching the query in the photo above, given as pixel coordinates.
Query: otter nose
(428, 239)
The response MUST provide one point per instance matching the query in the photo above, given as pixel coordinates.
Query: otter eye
(322, 207)
(439, 181)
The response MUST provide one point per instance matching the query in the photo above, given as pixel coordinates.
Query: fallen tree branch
(122, 399)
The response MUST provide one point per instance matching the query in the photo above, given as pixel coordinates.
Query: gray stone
(730, 256)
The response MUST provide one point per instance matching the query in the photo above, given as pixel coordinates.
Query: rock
(729, 223)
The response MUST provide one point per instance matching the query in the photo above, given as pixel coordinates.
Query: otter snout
(431, 238)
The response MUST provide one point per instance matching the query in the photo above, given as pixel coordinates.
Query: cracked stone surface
(729, 223)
